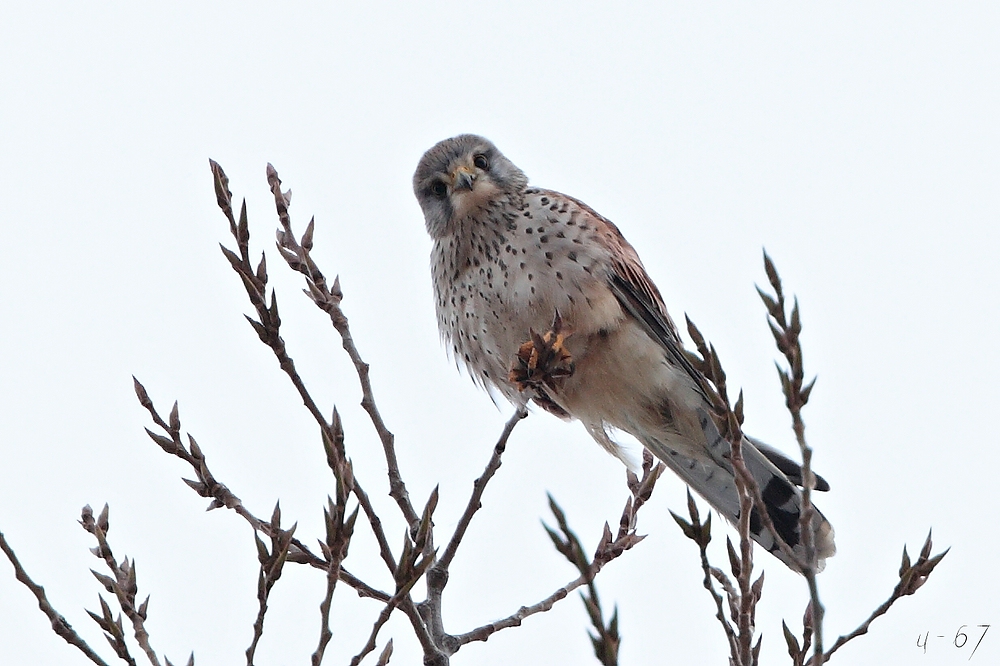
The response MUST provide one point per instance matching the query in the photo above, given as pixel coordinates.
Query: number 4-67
(961, 638)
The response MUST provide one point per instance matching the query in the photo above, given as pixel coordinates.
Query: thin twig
(339, 530)
(607, 550)
(221, 496)
(484, 632)
(701, 534)
(325, 633)
(911, 578)
(728, 419)
(383, 544)
(380, 621)
(434, 654)
(123, 585)
(862, 628)
(383, 659)
(58, 622)
(607, 640)
(786, 335)
(339, 527)
(743, 575)
(297, 255)
(478, 488)
(268, 326)
(437, 574)
(271, 563)
(720, 613)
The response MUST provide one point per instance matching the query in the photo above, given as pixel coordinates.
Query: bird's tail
(714, 481)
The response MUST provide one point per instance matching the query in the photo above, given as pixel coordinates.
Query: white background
(858, 144)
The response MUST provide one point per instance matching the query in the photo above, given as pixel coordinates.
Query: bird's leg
(542, 364)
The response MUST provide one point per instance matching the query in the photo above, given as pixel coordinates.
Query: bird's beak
(462, 178)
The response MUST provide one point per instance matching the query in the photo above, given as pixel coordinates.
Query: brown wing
(630, 268)
(639, 297)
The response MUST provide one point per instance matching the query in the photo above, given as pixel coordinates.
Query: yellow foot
(543, 362)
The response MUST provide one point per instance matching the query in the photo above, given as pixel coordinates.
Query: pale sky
(859, 144)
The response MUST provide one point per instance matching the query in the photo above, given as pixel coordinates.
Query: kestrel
(509, 260)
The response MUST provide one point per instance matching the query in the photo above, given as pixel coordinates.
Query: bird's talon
(543, 361)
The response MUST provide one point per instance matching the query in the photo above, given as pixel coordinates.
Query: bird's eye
(439, 189)
(481, 162)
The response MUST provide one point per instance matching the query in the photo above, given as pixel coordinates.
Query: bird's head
(459, 176)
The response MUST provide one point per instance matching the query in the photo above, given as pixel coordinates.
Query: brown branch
(429, 611)
(607, 640)
(435, 654)
(786, 336)
(362, 588)
(339, 528)
(413, 564)
(478, 488)
(383, 617)
(59, 624)
(728, 420)
(123, 585)
(911, 578)
(731, 594)
(383, 659)
(297, 254)
(271, 563)
(114, 630)
(268, 326)
(711, 572)
(369, 646)
(863, 627)
(484, 632)
(325, 633)
(339, 531)
(743, 566)
(701, 534)
(607, 550)
(221, 496)
(383, 544)
(786, 331)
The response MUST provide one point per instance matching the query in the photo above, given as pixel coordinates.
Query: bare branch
(701, 534)
(208, 486)
(383, 617)
(786, 334)
(484, 632)
(383, 658)
(746, 601)
(297, 255)
(478, 488)
(58, 622)
(338, 537)
(122, 585)
(606, 640)
(911, 578)
(271, 563)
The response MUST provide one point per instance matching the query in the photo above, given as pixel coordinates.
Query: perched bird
(510, 260)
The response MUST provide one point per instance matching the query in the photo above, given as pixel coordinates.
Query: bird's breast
(500, 276)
